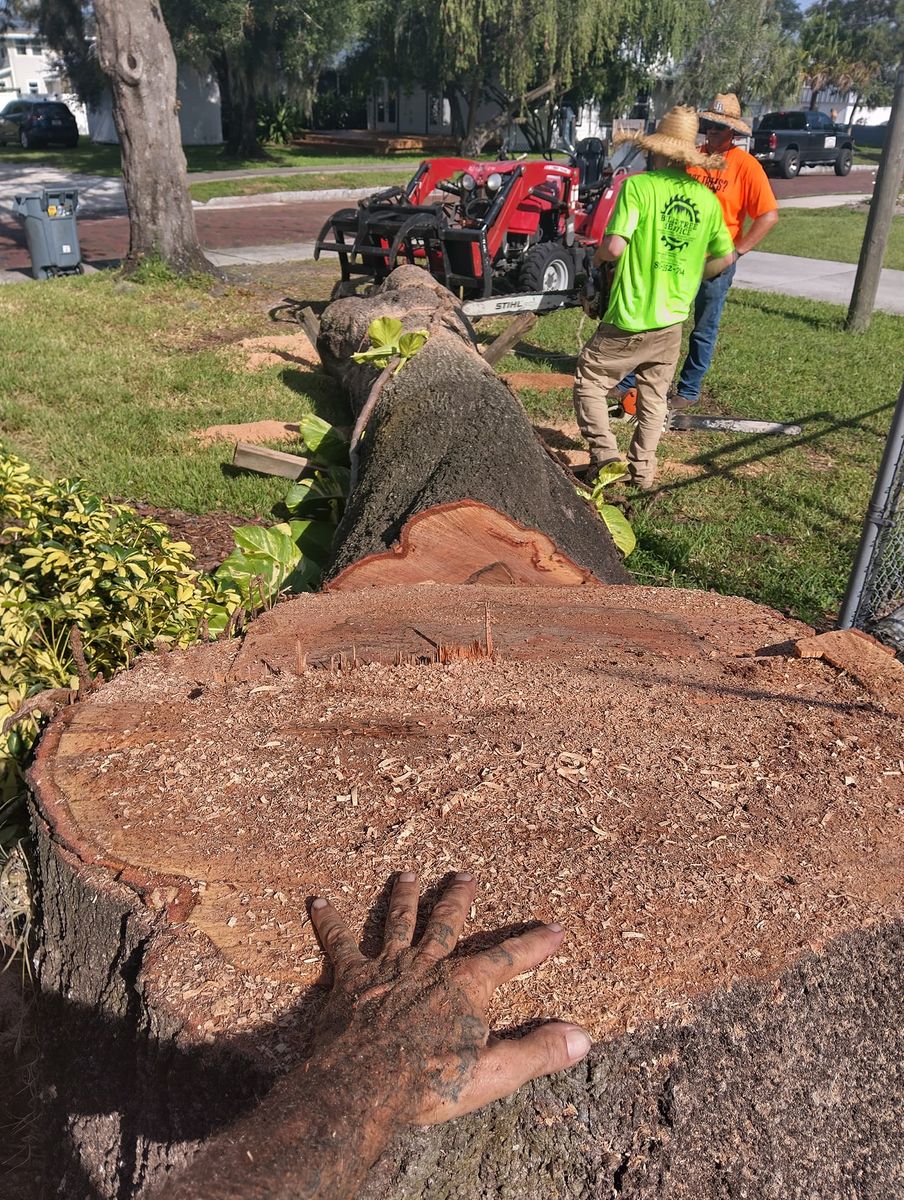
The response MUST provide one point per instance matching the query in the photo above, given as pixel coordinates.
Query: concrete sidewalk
(815, 279)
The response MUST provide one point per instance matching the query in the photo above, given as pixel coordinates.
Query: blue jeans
(702, 346)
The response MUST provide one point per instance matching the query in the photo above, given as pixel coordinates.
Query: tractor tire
(547, 267)
(790, 165)
(844, 162)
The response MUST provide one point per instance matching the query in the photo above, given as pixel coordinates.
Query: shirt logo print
(680, 218)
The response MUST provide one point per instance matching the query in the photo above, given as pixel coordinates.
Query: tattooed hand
(402, 1040)
(426, 1013)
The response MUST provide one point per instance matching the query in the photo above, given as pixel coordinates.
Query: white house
(26, 67)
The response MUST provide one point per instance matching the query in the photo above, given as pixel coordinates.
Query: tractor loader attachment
(481, 229)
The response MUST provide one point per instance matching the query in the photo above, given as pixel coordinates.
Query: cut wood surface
(265, 461)
(446, 428)
(465, 542)
(719, 831)
(510, 336)
(871, 663)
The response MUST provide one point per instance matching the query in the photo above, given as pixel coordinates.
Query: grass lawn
(773, 518)
(108, 380)
(91, 159)
(867, 155)
(257, 185)
(833, 233)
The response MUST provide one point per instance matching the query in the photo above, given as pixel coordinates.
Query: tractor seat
(590, 158)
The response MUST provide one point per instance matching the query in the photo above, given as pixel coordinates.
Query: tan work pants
(610, 355)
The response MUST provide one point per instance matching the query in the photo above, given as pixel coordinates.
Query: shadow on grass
(775, 308)
(322, 393)
(764, 447)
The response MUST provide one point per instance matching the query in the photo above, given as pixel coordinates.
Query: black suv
(36, 121)
(791, 140)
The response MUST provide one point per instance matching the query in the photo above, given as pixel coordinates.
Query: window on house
(33, 87)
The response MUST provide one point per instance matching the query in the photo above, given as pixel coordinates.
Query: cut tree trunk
(720, 832)
(465, 542)
(136, 54)
(445, 428)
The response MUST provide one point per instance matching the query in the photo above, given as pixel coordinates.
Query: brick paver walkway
(105, 240)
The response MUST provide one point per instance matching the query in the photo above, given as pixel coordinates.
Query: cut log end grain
(714, 830)
(465, 542)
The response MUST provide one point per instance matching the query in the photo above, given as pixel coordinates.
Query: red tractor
(482, 228)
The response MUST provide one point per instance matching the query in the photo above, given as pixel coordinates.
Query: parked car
(37, 121)
(791, 140)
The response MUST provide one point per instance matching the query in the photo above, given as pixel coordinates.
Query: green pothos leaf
(619, 526)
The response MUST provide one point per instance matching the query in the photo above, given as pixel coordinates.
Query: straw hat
(726, 110)
(676, 138)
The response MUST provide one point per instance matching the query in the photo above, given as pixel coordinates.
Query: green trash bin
(50, 231)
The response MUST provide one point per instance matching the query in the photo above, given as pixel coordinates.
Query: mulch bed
(209, 534)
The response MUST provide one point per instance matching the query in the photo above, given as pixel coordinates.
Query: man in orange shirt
(743, 190)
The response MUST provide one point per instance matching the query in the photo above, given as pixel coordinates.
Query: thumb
(550, 1048)
(507, 1063)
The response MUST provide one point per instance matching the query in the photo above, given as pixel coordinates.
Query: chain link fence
(875, 596)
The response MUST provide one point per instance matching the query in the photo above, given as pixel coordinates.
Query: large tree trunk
(719, 832)
(446, 428)
(136, 54)
(243, 141)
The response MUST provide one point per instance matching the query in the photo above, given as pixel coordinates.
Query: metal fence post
(876, 521)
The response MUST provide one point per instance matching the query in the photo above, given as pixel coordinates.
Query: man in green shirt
(666, 233)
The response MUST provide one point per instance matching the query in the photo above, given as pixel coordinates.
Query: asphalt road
(105, 239)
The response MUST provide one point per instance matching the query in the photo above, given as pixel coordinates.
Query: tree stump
(716, 822)
(446, 429)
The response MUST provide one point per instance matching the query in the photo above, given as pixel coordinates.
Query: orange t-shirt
(742, 189)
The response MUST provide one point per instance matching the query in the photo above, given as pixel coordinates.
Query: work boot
(678, 403)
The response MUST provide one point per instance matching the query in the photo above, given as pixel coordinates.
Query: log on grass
(719, 831)
(446, 428)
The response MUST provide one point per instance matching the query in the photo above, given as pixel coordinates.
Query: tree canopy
(853, 46)
(747, 47)
(505, 50)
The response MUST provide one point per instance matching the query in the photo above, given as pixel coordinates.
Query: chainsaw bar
(500, 306)
(684, 421)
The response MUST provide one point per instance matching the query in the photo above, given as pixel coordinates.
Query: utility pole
(881, 211)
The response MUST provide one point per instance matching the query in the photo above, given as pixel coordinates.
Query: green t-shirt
(671, 223)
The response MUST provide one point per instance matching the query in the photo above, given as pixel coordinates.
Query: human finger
(491, 968)
(334, 935)
(402, 915)
(508, 1063)
(448, 918)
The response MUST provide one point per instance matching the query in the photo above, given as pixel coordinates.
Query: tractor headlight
(468, 182)
(494, 183)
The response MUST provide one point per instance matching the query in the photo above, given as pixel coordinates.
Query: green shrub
(279, 121)
(69, 560)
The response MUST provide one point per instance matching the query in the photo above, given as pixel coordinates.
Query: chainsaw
(681, 421)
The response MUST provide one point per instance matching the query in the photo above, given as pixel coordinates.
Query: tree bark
(446, 428)
(734, 949)
(243, 141)
(136, 54)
